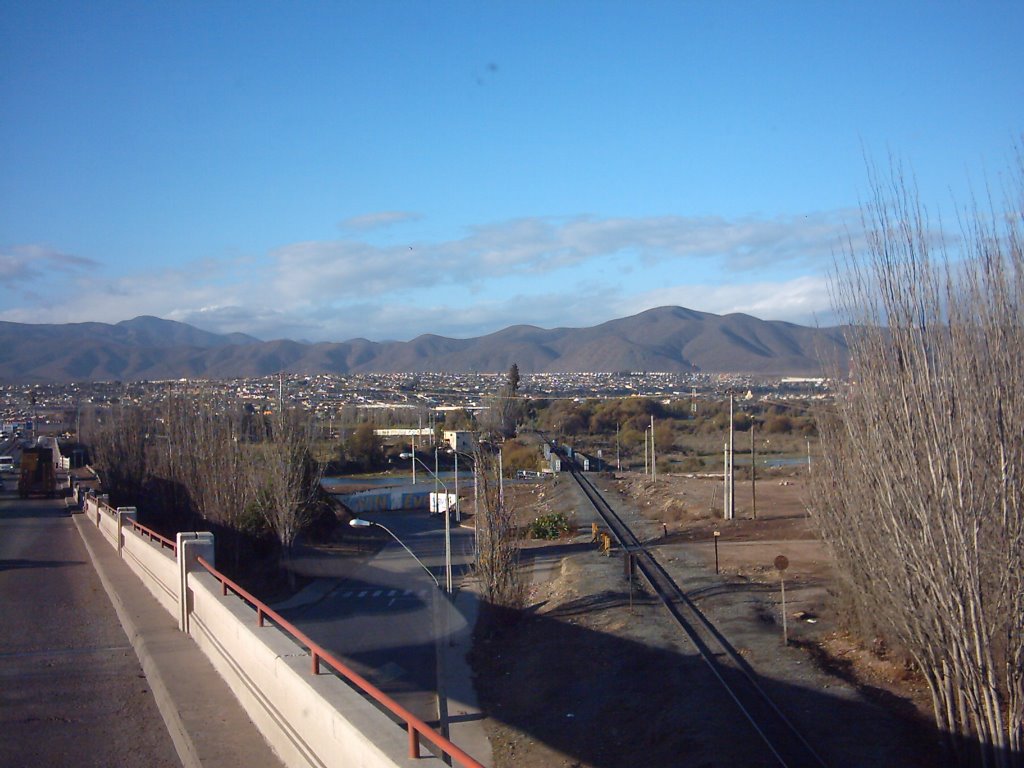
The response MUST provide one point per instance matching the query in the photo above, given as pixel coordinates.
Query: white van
(6, 463)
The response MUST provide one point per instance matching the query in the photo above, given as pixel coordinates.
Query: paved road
(383, 621)
(72, 692)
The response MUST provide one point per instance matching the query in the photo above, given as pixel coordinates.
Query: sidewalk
(208, 726)
(465, 719)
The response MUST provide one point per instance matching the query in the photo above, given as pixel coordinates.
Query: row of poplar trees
(242, 472)
(920, 493)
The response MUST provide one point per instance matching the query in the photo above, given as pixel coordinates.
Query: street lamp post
(358, 522)
(447, 516)
(441, 693)
(458, 509)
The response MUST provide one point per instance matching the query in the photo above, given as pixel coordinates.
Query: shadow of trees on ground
(597, 699)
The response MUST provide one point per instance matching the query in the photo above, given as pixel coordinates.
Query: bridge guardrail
(168, 591)
(416, 727)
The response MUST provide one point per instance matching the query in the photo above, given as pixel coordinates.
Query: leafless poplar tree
(497, 536)
(118, 440)
(210, 457)
(920, 491)
(287, 482)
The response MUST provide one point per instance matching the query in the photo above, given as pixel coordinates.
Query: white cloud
(326, 270)
(544, 271)
(803, 300)
(22, 263)
(262, 322)
(377, 220)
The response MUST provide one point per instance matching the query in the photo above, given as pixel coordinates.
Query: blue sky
(324, 171)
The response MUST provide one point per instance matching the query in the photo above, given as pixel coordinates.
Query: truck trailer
(38, 475)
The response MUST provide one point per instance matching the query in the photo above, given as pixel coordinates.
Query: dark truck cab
(38, 476)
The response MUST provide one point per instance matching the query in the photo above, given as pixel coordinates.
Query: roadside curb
(466, 723)
(183, 743)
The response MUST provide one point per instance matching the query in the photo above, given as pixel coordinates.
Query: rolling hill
(662, 339)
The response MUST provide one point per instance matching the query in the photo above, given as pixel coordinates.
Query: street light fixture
(358, 522)
(447, 515)
(458, 510)
(442, 695)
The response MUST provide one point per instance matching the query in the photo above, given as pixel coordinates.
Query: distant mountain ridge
(672, 339)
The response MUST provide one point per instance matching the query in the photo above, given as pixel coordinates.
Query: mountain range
(671, 339)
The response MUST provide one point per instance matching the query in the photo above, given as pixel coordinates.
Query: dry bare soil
(594, 675)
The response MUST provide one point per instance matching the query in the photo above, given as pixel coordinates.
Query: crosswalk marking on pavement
(392, 594)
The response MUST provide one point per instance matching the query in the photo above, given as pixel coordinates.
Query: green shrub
(552, 526)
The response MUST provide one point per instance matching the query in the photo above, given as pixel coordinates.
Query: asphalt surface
(72, 690)
(391, 622)
(386, 619)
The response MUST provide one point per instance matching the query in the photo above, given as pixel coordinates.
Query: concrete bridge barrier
(308, 715)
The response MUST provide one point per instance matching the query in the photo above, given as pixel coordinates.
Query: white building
(404, 432)
(459, 440)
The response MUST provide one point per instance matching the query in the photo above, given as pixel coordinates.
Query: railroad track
(784, 742)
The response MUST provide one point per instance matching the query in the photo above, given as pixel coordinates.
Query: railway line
(740, 682)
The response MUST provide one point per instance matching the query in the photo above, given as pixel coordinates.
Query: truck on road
(38, 474)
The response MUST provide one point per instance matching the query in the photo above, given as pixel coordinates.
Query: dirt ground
(596, 675)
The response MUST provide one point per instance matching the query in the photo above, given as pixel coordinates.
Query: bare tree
(210, 454)
(288, 481)
(497, 535)
(118, 440)
(920, 491)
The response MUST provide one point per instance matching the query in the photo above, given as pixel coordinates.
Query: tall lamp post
(476, 496)
(442, 696)
(447, 515)
(458, 511)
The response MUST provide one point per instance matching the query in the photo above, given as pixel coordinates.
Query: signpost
(781, 564)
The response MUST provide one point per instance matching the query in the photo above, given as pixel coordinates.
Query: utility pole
(732, 459)
(753, 471)
(654, 467)
(646, 470)
(725, 477)
(618, 463)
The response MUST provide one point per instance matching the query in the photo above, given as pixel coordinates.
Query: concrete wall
(310, 720)
(386, 499)
(315, 721)
(155, 565)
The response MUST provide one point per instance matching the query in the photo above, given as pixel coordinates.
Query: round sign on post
(781, 563)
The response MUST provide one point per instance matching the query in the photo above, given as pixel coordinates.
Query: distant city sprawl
(400, 399)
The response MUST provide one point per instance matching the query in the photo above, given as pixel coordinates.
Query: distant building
(459, 440)
(404, 432)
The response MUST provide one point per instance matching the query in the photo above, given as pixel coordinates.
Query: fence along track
(739, 680)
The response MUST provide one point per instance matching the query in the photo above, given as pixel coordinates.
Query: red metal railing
(154, 536)
(415, 727)
(136, 526)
